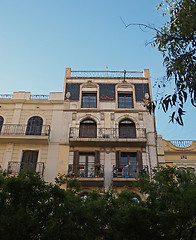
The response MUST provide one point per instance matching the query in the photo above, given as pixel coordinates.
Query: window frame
(88, 129)
(34, 126)
(128, 155)
(127, 129)
(89, 94)
(125, 95)
(25, 163)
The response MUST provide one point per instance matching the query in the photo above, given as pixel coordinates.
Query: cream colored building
(98, 129)
(30, 132)
(109, 127)
(179, 153)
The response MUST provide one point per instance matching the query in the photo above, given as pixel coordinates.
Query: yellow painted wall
(2, 151)
(63, 159)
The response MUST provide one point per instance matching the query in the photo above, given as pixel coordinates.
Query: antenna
(124, 75)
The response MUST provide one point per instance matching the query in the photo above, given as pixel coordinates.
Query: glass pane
(132, 160)
(82, 159)
(128, 102)
(121, 102)
(85, 102)
(92, 101)
(91, 165)
(81, 166)
(123, 161)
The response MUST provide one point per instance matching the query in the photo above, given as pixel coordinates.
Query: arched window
(127, 129)
(34, 126)
(88, 129)
(1, 122)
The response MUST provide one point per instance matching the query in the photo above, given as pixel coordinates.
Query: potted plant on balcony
(97, 169)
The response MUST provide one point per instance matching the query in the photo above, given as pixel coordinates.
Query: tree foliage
(171, 199)
(176, 40)
(33, 209)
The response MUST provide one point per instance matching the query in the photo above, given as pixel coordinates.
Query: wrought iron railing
(86, 170)
(108, 133)
(5, 96)
(20, 129)
(181, 143)
(39, 96)
(112, 74)
(130, 171)
(17, 167)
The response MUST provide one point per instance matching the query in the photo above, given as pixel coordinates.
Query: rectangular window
(128, 164)
(29, 160)
(128, 159)
(86, 164)
(125, 100)
(89, 100)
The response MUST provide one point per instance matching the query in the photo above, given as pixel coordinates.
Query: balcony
(88, 175)
(107, 137)
(15, 168)
(128, 174)
(18, 133)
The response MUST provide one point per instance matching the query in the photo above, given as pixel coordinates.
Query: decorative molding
(140, 116)
(68, 95)
(102, 116)
(74, 116)
(112, 116)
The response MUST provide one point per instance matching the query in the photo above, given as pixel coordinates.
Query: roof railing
(182, 143)
(107, 74)
(39, 96)
(5, 96)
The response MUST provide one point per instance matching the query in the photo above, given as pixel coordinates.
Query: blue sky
(40, 38)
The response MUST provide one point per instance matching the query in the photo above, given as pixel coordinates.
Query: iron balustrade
(5, 96)
(39, 96)
(89, 170)
(20, 129)
(17, 167)
(130, 171)
(111, 74)
(110, 133)
(181, 143)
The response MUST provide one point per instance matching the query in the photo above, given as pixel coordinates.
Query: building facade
(98, 129)
(26, 139)
(178, 153)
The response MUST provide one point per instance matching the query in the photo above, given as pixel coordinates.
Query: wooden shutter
(139, 160)
(75, 161)
(118, 159)
(1, 123)
(97, 157)
(82, 133)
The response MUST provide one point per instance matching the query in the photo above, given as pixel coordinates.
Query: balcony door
(88, 129)
(86, 164)
(128, 164)
(127, 129)
(29, 160)
(34, 126)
